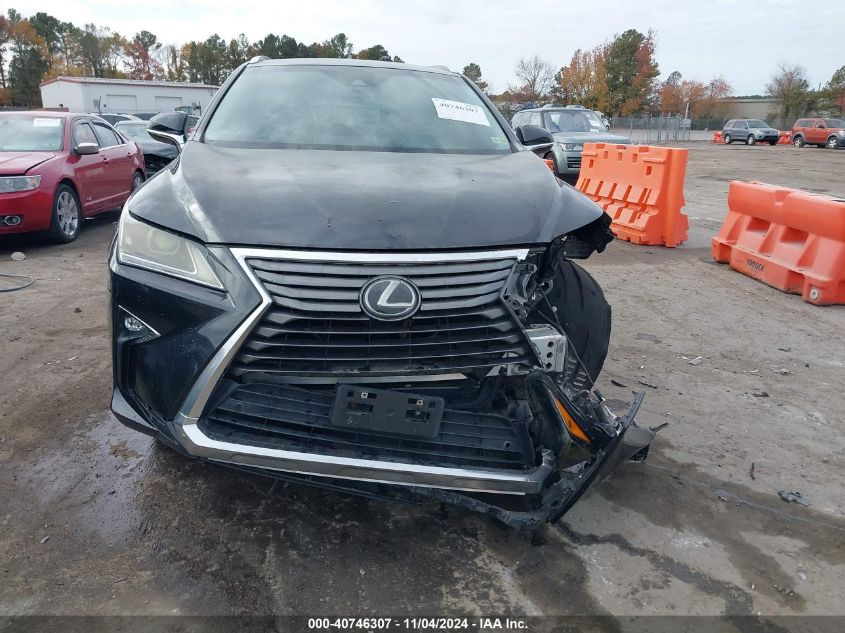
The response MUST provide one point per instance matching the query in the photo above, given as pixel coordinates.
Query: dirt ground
(96, 519)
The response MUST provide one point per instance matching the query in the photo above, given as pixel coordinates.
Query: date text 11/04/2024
(417, 624)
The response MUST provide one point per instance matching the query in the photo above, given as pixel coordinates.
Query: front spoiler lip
(196, 443)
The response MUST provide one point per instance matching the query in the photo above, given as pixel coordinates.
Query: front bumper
(35, 208)
(568, 161)
(168, 381)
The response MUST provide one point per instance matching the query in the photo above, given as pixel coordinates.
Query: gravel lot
(97, 519)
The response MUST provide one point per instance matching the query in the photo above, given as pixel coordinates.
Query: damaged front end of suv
(397, 323)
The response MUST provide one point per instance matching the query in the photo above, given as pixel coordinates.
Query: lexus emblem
(390, 298)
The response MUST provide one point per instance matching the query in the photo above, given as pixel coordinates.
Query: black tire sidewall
(750, 140)
(56, 233)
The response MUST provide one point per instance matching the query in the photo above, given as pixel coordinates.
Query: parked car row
(822, 132)
(57, 168)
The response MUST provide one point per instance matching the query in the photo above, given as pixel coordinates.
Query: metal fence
(651, 128)
(672, 123)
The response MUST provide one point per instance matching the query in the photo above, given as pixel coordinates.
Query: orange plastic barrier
(787, 238)
(642, 189)
(784, 137)
(718, 137)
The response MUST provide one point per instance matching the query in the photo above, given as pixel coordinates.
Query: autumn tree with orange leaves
(584, 79)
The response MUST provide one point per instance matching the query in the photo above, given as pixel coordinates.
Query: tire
(728, 140)
(67, 215)
(832, 143)
(585, 316)
(798, 141)
(773, 143)
(137, 181)
(750, 140)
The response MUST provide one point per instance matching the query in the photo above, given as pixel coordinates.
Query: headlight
(572, 147)
(841, 132)
(144, 246)
(13, 184)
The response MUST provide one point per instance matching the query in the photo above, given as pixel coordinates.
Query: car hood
(17, 163)
(157, 148)
(349, 200)
(590, 137)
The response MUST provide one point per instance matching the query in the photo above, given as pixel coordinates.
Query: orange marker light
(570, 423)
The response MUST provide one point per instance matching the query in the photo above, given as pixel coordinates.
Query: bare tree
(536, 77)
(790, 85)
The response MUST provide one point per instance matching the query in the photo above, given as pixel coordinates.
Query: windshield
(30, 133)
(594, 119)
(834, 122)
(354, 108)
(757, 123)
(135, 131)
(567, 121)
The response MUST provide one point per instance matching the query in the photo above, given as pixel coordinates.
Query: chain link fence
(653, 128)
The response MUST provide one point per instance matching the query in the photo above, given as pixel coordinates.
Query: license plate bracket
(394, 412)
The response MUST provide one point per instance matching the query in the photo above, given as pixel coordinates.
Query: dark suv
(356, 276)
(750, 132)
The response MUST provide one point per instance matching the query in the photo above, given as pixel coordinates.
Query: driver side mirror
(533, 135)
(169, 127)
(85, 149)
(820, 125)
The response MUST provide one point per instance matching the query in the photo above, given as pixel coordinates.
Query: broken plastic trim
(630, 443)
(558, 498)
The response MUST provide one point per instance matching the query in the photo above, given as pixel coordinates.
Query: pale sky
(743, 40)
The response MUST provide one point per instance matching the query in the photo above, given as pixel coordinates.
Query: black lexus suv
(356, 275)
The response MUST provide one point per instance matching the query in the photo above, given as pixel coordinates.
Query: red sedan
(57, 168)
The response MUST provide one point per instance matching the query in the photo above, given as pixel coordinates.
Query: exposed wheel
(67, 215)
(137, 180)
(728, 139)
(750, 140)
(585, 316)
(798, 141)
(832, 143)
(773, 142)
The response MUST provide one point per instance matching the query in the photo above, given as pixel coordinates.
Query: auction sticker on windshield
(45, 122)
(459, 111)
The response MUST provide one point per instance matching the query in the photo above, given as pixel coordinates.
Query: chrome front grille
(316, 327)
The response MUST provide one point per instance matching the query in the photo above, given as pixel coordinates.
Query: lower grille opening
(299, 419)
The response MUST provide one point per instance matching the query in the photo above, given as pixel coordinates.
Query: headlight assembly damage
(479, 394)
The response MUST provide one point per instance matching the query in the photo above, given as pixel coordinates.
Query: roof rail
(258, 58)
